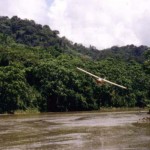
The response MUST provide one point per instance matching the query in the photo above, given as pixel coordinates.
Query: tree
(14, 91)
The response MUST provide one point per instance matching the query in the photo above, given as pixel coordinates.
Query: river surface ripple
(75, 131)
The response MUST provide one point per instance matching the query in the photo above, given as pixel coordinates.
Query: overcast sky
(100, 23)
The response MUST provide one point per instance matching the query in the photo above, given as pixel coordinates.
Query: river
(75, 131)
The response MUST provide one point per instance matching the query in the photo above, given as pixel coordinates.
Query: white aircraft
(101, 80)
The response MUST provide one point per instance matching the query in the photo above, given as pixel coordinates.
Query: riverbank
(114, 109)
(102, 109)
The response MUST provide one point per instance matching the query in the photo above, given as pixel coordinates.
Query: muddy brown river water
(75, 131)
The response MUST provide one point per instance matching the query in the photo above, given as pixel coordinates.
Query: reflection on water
(80, 131)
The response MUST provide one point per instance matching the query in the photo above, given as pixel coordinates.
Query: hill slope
(29, 33)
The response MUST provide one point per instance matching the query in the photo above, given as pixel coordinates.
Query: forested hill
(38, 71)
(29, 33)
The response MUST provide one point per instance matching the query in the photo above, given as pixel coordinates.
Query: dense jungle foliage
(38, 70)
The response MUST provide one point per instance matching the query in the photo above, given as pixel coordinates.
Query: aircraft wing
(88, 73)
(101, 79)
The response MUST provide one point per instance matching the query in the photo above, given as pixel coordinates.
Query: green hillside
(38, 70)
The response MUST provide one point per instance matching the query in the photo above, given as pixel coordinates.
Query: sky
(99, 23)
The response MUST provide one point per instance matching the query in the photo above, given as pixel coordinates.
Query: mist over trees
(38, 70)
